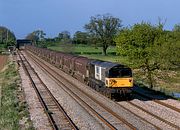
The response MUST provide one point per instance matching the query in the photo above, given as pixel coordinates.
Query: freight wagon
(111, 79)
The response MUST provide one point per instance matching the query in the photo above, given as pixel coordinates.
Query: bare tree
(104, 27)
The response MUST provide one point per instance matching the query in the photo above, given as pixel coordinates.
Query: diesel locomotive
(111, 79)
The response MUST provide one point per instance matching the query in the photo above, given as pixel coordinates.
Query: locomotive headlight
(130, 80)
(112, 81)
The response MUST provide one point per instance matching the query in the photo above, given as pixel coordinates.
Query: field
(82, 49)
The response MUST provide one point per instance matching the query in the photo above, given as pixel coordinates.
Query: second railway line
(54, 111)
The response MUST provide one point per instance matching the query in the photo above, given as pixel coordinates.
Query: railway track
(153, 115)
(97, 108)
(157, 101)
(54, 111)
(158, 128)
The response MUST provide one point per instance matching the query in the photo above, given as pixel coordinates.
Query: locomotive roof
(106, 64)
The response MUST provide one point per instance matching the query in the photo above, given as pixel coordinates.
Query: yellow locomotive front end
(119, 77)
(111, 79)
(119, 82)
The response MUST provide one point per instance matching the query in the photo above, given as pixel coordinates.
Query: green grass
(9, 104)
(11, 109)
(81, 49)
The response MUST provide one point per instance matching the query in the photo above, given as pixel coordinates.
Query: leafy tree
(32, 37)
(140, 44)
(104, 27)
(81, 37)
(38, 37)
(170, 53)
(64, 35)
(7, 37)
(172, 47)
(176, 28)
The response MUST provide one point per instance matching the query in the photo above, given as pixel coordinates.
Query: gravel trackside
(158, 111)
(172, 102)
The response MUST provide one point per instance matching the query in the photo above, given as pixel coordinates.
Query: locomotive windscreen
(117, 72)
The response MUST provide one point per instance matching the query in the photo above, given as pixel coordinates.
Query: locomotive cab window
(97, 69)
(117, 72)
(98, 72)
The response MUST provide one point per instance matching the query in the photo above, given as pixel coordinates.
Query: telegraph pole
(1, 35)
(7, 35)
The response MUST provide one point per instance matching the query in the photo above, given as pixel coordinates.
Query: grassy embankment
(13, 112)
(168, 83)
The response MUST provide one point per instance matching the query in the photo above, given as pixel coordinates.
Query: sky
(54, 16)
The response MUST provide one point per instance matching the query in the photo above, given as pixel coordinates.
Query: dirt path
(3, 60)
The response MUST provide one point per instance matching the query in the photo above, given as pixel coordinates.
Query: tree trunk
(150, 79)
(105, 49)
(149, 72)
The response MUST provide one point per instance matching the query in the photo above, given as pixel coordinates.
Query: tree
(7, 37)
(141, 43)
(173, 46)
(40, 35)
(32, 37)
(104, 27)
(81, 37)
(66, 42)
(64, 35)
(37, 36)
(176, 28)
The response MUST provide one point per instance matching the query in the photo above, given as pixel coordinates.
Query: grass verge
(12, 111)
(166, 82)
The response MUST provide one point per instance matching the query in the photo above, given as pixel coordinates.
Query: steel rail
(159, 102)
(50, 117)
(158, 128)
(159, 118)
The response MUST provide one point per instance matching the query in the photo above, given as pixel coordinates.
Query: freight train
(111, 79)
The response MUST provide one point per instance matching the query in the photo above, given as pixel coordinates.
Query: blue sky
(54, 16)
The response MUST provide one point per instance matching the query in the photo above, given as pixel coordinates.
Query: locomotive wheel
(107, 94)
